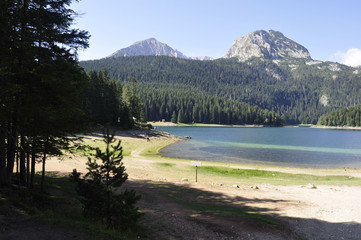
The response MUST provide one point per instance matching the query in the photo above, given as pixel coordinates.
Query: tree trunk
(22, 161)
(17, 167)
(32, 174)
(27, 164)
(2, 155)
(11, 149)
(43, 170)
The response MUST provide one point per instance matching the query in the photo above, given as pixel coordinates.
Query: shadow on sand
(229, 216)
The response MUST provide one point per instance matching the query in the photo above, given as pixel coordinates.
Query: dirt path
(308, 212)
(168, 219)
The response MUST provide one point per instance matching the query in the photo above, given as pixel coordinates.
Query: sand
(309, 212)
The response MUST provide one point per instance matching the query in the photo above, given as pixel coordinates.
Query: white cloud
(351, 58)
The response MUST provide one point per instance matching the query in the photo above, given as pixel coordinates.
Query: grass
(152, 148)
(273, 177)
(58, 207)
(62, 208)
(165, 164)
(128, 145)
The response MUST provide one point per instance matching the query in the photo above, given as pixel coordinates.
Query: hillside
(301, 89)
(262, 68)
(148, 47)
(350, 117)
(268, 45)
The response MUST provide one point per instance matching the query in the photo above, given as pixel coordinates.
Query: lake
(285, 146)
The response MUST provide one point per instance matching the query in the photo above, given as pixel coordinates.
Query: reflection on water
(297, 147)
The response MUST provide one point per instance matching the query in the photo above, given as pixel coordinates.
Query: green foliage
(343, 117)
(40, 80)
(173, 119)
(104, 103)
(263, 176)
(188, 106)
(166, 164)
(292, 88)
(111, 171)
(96, 190)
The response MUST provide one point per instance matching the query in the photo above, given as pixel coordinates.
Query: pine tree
(174, 117)
(99, 200)
(40, 81)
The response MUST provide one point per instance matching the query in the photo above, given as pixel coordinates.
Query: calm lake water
(287, 146)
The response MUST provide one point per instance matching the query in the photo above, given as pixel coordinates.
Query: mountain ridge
(299, 87)
(153, 47)
(148, 47)
(266, 44)
(270, 44)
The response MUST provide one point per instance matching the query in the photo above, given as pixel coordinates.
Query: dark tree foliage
(292, 88)
(117, 210)
(187, 106)
(350, 116)
(40, 83)
(104, 103)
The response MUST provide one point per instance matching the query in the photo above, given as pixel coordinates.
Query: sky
(329, 29)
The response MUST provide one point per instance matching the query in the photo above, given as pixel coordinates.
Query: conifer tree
(174, 117)
(40, 80)
(98, 198)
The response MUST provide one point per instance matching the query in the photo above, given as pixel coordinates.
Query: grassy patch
(128, 147)
(164, 164)
(152, 148)
(59, 207)
(263, 176)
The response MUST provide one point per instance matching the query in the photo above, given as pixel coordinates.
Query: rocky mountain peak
(266, 44)
(150, 46)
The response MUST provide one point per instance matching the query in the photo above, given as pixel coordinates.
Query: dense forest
(349, 116)
(46, 100)
(301, 90)
(189, 106)
(110, 102)
(41, 85)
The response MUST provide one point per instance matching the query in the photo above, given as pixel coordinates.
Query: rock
(235, 186)
(184, 179)
(152, 47)
(148, 47)
(266, 44)
(311, 186)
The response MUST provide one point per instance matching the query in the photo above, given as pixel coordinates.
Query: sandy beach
(308, 211)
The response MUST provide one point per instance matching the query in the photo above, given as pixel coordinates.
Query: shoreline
(336, 127)
(136, 145)
(300, 198)
(310, 202)
(170, 124)
(156, 154)
(264, 165)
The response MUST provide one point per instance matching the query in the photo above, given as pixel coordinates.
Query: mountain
(283, 78)
(152, 47)
(148, 47)
(268, 45)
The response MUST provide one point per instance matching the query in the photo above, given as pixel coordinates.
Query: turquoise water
(287, 146)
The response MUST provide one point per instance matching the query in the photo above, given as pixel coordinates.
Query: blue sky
(329, 29)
